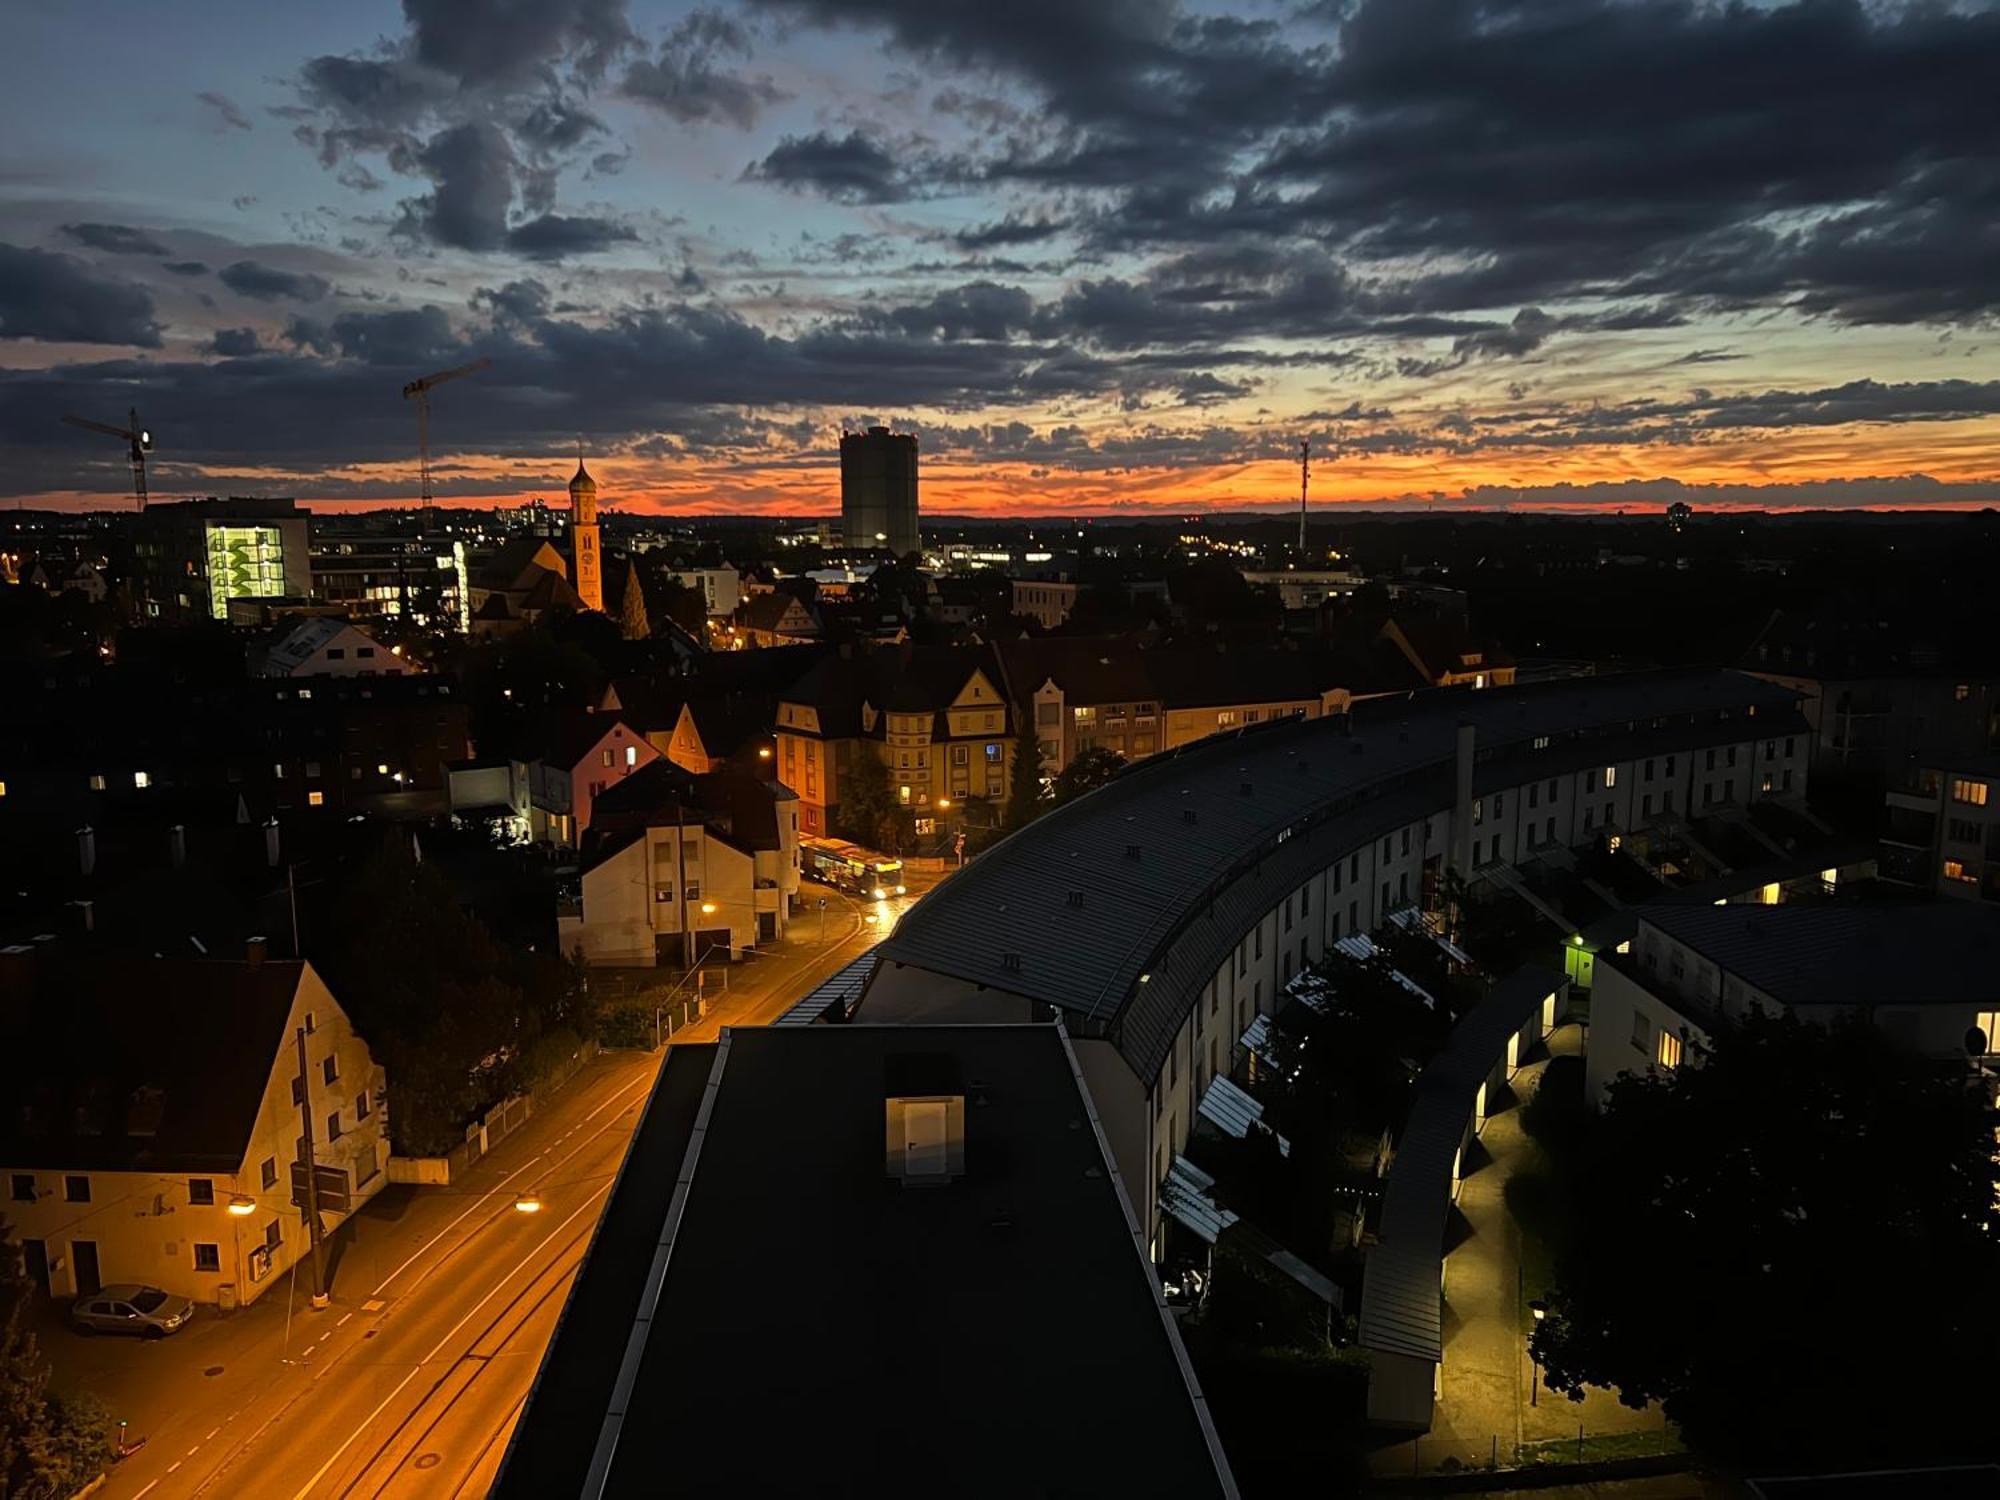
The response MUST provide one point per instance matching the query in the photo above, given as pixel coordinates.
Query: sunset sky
(1100, 255)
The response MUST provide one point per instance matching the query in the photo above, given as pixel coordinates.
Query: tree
(1024, 776)
(50, 1444)
(1789, 1244)
(869, 811)
(1087, 771)
(632, 622)
(438, 1000)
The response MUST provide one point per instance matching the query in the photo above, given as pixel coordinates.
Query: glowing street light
(242, 1207)
(528, 1203)
(708, 908)
(1541, 1310)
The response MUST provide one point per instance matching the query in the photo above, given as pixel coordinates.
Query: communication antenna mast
(1305, 473)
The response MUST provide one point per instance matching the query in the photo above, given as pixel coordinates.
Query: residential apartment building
(1164, 912)
(1880, 694)
(377, 570)
(1047, 602)
(1943, 831)
(936, 715)
(1923, 974)
(156, 1110)
(310, 743)
(1085, 694)
(720, 589)
(678, 865)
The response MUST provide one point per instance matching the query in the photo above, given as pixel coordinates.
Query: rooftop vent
(1131, 851)
(1188, 815)
(1076, 898)
(1243, 787)
(1011, 962)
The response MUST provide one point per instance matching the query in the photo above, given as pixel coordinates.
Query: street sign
(332, 1182)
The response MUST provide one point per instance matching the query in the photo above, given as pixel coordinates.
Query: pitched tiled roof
(130, 1064)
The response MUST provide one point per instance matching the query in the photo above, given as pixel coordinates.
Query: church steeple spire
(583, 533)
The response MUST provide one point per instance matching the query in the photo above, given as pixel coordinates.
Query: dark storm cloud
(688, 80)
(554, 236)
(270, 284)
(1014, 229)
(115, 239)
(59, 299)
(505, 42)
(235, 343)
(521, 302)
(186, 267)
(473, 168)
(847, 169)
(1828, 155)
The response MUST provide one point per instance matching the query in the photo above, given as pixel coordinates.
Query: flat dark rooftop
(822, 1329)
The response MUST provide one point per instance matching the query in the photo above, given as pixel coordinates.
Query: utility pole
(681, 886)
(312, 1178)
(1305, 470)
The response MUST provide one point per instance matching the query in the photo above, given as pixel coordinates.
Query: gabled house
(519, 583)
(582, 755)
(776, 618)
(678, 865)
(326, 647)
(154, 1123)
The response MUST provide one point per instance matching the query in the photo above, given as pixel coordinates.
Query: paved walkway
(1486, 1406)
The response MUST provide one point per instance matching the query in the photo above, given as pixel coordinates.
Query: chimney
(86, 916)
(177, 845)
(86, 849)
(254, 950)
(271, 841)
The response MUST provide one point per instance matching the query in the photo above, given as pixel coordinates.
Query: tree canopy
(1086, 772)
(1789, 1244)
(446, 1008)
(50, 1443)
(868, 811)
(1024, 775)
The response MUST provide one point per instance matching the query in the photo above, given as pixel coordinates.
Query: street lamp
(242, 1207)
(708, 908)
(1541, 1310)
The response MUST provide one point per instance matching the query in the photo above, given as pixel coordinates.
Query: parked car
(144, 1310)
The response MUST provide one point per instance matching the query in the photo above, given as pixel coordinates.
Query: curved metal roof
(1120, 906)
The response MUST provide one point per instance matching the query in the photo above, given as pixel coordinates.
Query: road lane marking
(151, 1485)
(417, 1369)
(480, 1202)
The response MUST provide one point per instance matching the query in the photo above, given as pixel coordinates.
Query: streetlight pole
(312, 1177)
(1541, 1310)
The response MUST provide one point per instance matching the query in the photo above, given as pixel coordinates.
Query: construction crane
(420, 392)
(139, 441)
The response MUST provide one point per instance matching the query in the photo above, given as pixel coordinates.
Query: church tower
(583, 537)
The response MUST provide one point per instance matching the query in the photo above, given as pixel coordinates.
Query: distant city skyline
(1099, 259)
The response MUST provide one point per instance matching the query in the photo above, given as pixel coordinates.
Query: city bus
(850, 867)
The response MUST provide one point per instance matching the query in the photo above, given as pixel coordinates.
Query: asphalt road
(443, 1299)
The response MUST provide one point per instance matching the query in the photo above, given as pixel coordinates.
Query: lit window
(1955, 870)
(141, 779)
(96, 782)
(631, 755)
(1610, 776)
(1669, 1055)
(1989, 1027)
(903, 792)
(1972, 793)
(315, 799)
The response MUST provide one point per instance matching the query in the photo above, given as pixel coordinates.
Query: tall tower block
(583, 538)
